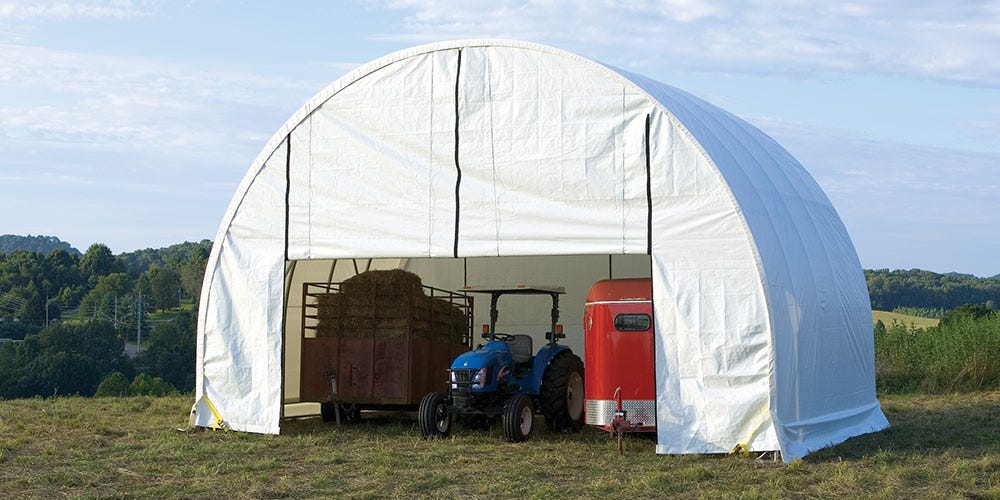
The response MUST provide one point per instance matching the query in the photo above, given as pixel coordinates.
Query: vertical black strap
(458, 168)
(284, 265)
(649, 196)
(288, 185)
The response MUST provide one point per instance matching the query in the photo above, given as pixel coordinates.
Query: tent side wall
(823, 377)
(713, 341)
(238, 364)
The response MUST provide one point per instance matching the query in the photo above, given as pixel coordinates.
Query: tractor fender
(545, 356)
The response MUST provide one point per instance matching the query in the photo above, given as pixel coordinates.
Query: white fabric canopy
(501, 148)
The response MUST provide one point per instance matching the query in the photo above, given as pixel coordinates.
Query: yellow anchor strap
(743, 449)
(218, 420)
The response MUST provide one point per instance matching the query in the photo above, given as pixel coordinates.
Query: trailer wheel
(518, 418)
(435, 421)
(562, 393)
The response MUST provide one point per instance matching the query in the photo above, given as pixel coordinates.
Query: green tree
(147, 385)
(967, 312)
(98, 261)
(171, 351)
(62, 268)
(100, 300)
(192, 273)
(61, 359)
(114, 385)
(164, 286)
(63, 373)
(32, 307)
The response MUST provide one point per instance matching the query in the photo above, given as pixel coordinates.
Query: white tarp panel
(762, 321)
(379, 151)
(539, 176)
(713, 339)
(238, 365)
(823, 359)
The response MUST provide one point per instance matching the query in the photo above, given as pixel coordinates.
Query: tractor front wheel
(518, 418)
(562, 393)
(435, 421)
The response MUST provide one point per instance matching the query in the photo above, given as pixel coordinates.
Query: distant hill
(41, 244)
(917, 288)
(140, 261)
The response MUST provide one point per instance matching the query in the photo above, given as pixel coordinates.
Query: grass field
(939, 446)
(903, 319)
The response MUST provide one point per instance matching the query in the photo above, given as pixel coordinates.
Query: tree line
(69, 316)
(927, 293)
(37, 288)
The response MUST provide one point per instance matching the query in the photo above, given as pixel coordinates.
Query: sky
(131, 123)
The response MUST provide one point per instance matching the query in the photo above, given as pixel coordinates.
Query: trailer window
(632, 322)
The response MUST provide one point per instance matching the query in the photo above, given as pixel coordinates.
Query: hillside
(41, 244)
(918, 288)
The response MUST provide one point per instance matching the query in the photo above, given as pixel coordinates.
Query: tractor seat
(520, 347)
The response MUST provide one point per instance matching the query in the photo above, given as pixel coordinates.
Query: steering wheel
(506, 337)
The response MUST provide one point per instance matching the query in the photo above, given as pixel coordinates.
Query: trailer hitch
(620, 423)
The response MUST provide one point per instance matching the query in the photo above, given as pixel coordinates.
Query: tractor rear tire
(562, 393)
(518, 418)
(433, 416)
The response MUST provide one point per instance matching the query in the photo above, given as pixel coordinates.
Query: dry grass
(888, 318)
(939, 446)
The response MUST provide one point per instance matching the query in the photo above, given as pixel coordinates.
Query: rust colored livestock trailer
(618, 334)
(379, 345)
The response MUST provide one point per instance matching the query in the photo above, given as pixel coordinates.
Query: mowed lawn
(938, 446)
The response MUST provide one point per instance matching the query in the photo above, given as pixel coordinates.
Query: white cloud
(951, 41)
(138, 105)
(50, 9)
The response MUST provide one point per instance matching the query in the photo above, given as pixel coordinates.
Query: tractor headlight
(481, 378)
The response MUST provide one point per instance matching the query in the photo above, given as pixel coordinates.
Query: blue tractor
(503, 379)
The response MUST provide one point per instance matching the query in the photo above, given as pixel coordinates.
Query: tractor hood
(492, 354)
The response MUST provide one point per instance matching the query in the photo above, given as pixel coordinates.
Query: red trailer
(620, 379)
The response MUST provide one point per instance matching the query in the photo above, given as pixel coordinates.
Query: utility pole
(138, 327)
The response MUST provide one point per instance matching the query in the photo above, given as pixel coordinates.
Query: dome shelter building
(493, 162)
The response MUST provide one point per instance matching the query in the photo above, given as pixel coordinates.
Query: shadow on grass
(405, 424)
(963, 425)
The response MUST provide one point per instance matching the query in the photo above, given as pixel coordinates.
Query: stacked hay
(440, 319)
(385, 304)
